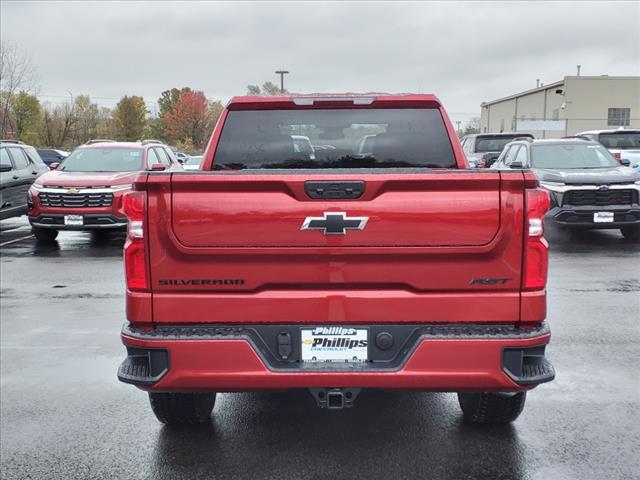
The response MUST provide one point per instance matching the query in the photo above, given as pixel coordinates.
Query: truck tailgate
(437, 247)
(401, 210)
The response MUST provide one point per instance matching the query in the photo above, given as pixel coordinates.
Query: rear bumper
(93, 221)
(424, 357)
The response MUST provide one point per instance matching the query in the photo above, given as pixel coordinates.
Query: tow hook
(335, 398)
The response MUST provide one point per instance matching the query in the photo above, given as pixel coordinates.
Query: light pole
(282, 73)
(458, 122)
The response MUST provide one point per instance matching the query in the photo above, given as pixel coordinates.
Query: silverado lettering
(359, 223)
(488, 281)
(201, 281)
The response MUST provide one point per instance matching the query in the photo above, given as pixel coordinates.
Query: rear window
(94, 159)
(334, 138)
(495, 144)
(620, 140)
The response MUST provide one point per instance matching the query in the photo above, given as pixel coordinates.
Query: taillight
(135, 264)
(536, 255)
(617, 155)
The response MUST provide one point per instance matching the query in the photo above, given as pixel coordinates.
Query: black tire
(491, 407)
(44, 235)
(182, 408)
(631, 232)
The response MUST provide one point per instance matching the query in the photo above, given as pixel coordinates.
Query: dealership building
(566, 107)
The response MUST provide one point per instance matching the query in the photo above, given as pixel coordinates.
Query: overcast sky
(465, 53)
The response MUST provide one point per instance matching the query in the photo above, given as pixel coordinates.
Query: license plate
(73, 220)
(334, 344)
(603, 217)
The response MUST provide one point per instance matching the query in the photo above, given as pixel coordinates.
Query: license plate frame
(334, 344)
(74, 220)
(603, 217)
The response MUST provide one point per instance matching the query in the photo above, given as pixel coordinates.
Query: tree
(169, 98)
(87, 119)
(472, 126)
(268, 88)
(192, 119)
(129, 118)
(58, 124)
(17, 73)
(26, 117)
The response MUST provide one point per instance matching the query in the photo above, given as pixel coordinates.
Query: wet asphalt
(64, 415)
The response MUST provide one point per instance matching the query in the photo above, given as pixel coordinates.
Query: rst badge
(334, 223)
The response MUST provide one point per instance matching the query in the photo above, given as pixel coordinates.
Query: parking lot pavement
(64, 415)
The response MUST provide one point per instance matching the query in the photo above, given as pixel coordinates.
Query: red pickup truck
(337, 269)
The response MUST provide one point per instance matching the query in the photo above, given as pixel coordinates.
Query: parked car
(365, 146)
(20, 165)
(482, 149)
(181, 156)
(624, 144)
(52, 155)
(589, 188)
(302, 144)
(394, 270)
(193, 162)
(85, 191)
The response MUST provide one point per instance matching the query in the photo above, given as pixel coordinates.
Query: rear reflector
(536, 255)
(135, 265)
(135, 262)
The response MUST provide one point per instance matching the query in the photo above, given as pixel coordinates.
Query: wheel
(631, 232)
(491, 407)
(182, 408)
(45, 234)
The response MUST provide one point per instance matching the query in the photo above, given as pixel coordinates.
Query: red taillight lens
(135, 262)
(536, 255)
(133, 205)
(616, 155)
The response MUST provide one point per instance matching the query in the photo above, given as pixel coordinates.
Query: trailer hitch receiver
(335, 398)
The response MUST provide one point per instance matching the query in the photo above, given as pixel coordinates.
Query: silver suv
(20, 165)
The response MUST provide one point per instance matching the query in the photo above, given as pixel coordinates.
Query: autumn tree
(25, 117)
(87, 119)
(129, 118)
(169, 98)
(192, 120)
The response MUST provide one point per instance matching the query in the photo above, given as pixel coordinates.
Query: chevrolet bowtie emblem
(73, 190)
(334, 223)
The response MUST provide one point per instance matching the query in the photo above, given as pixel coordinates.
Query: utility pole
(458, 122)
(282, 73)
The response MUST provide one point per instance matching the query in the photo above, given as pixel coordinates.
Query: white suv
(623, 144)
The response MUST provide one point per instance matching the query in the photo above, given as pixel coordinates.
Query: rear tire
(631, 232)
(486, 407)
(182, 408)
(44, 235)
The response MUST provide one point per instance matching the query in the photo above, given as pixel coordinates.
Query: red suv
(85, 191)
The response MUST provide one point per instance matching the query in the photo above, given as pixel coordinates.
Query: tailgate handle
(328, 190)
